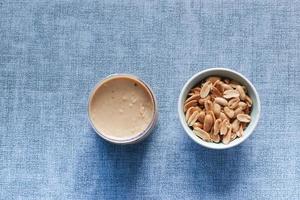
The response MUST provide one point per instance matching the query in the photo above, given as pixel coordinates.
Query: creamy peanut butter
(121, 107)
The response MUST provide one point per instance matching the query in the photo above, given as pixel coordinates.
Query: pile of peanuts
(218, 110)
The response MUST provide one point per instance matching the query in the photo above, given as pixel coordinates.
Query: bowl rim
(138, 137)
(189, 131)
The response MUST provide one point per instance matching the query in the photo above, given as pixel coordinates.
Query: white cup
(228, 73)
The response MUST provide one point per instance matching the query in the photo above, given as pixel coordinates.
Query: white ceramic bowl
(223, 72)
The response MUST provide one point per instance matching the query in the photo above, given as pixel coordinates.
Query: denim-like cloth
(52, 53)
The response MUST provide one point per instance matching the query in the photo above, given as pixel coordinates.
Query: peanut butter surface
(121, 108)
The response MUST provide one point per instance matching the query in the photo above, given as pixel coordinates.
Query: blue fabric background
(52, 53)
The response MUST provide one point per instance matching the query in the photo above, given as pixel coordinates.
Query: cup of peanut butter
(122, 109)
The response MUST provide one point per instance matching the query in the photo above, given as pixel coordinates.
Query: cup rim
(138, 137)
(219, 146)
